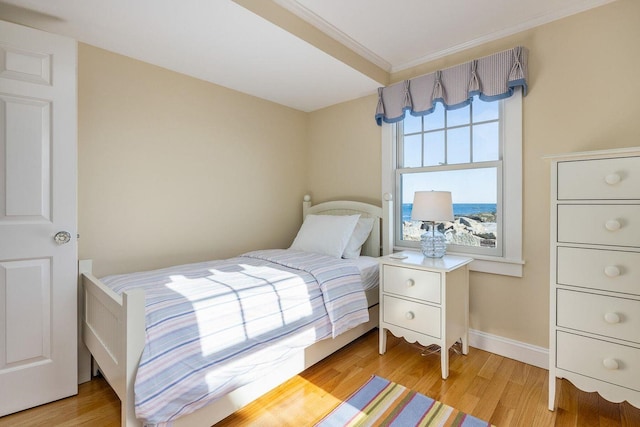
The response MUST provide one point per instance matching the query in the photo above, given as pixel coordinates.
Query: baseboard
(522, 352)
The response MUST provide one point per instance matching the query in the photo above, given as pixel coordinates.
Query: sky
(466, 186)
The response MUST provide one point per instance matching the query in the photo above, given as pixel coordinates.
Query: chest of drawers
(425, 300)
(594, 338)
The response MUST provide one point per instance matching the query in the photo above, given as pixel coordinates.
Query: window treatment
(491, 78)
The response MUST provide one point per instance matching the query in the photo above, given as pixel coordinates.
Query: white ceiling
(224, 43)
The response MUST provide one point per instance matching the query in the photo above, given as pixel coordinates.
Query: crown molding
(321, 24)
(532, 23)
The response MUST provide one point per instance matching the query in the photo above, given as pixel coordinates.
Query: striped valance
(491, 78)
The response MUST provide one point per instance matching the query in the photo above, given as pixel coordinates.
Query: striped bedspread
(214, 326)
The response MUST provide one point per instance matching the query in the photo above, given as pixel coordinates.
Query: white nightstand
(425, 300)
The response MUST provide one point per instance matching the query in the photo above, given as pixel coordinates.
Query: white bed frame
(113, 328)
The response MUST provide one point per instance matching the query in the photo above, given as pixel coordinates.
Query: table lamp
(432, 206)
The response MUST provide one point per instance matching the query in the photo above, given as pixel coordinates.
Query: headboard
(380, 241)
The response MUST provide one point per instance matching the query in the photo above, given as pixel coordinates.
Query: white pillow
(360, 234)
(325, 234)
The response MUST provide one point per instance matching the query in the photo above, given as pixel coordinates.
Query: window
(476, 153)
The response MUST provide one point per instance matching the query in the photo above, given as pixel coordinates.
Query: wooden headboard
(380, 241)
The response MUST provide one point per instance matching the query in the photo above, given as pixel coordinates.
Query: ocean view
(459, 209)
(479, 227)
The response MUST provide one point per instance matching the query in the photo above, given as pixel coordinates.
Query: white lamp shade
(432, 206)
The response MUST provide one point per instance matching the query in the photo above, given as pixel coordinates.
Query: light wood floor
(491, 387)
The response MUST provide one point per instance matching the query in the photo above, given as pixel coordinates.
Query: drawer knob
(410, 283)
(611, 364)
(409, 315)
(611, 271)
(612, 178)
(612, 318)
(612, 225)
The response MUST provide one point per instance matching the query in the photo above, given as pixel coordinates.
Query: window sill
(502, 266)
(491, 265)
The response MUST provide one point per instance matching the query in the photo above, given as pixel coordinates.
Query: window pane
(483, 111)
(451, 144)
(460, 116)
(486, 142)
(458, 146)
(412, 151)
(474, 195)
(435, 120)
(434, 148)
(412, 124)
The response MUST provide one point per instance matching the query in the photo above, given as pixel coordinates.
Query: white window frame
(510, 262)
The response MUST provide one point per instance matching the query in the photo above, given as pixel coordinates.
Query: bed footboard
(113, 329)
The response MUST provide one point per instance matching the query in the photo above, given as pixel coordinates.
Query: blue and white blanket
(212, 327)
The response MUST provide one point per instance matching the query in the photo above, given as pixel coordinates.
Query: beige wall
(584, 95)
(173, 169)
(344, 152)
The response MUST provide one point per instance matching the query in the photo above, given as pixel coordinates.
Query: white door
(38, 162)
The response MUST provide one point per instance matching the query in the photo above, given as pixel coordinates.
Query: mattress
(370, 274)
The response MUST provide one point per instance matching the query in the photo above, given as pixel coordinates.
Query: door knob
(62, 237)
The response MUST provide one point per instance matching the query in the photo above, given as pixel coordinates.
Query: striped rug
(381, 402)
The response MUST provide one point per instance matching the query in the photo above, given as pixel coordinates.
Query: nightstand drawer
(598, 314)
(616, 271)
(421, 318)
(616, 225)
(412, 283)
(602, 360)
(600, 179)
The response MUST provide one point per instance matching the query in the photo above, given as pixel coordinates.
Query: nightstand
(425, 300)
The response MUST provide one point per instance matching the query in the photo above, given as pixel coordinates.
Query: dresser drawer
(615, 271)
(616, 225)
(601, 179)
(590, 357)
(412, 283)
(598, 314)
(421, 318)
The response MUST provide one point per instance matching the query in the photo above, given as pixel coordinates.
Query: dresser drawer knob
(611, 271)
(611, 364)
(612, 318)
(409, 315)
(612, 225)
(410, 283)
(612, 178)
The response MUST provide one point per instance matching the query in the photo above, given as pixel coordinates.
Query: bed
(114, 324)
